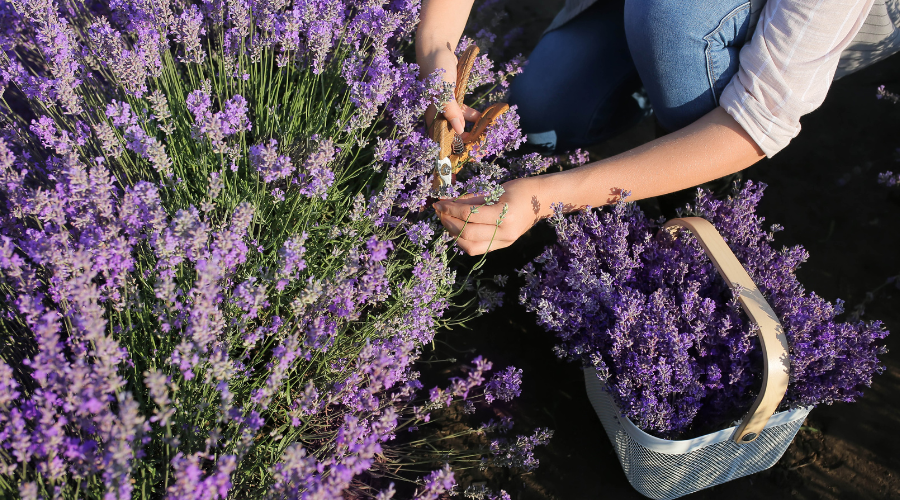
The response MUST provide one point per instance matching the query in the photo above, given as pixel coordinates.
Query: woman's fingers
(470, 114)
(462, 209)
(454, 114)
(491, 226)
(471, 231)
(475, 238)
(481, 247)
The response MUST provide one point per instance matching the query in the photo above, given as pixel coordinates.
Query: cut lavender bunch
(649, 311)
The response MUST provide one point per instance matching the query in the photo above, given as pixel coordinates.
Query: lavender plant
(217, 274)
(889, 179)
(649, 311)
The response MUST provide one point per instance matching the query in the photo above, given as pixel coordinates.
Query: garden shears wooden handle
(453, 150)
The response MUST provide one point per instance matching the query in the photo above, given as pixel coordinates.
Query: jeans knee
(650, 22)
(536, 106)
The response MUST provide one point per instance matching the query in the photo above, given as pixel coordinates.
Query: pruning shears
(453, 150)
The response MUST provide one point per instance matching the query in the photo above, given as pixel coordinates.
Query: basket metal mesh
(664, 470)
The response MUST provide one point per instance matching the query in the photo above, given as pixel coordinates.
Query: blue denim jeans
(580, 84)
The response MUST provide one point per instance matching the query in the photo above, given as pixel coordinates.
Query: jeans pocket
(723, 45)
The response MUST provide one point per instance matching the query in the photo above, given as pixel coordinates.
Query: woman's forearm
(713, 146)
(441, 23)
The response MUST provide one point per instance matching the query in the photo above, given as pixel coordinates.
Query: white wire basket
(664, 469)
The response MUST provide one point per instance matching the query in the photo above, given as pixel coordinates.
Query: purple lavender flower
(323, 20)
(264, 158)
(60, 50)
(136, 139)
(512, 68)
(885, 94)
(482, 71)
(291, 260)
(128, 248)
(460, 387)
(8, 386)
(50, 136)
(579, 157)
(480, 491)
(251, 297)
(158, 386)
(216, 127)
(188, 30)
(518, 453)
(28, 491)
(420, 233)
(889, 179)
(307, 404)
(283, 359)
(128, 65)
(436, 483)
(504, 385)
(386, 494)
(527, 165)
(191, 482)
(504, 135)
(378, 250)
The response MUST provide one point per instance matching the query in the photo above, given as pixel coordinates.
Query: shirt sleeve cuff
(769, 133)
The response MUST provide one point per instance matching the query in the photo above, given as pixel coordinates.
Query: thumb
(454, 114)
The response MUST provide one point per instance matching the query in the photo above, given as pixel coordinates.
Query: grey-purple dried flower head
(316, 176)
(109, 141)
(188, 30)
(264, 158)
(158, 385)
(161, 112)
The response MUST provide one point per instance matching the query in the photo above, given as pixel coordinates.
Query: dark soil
(823, 190)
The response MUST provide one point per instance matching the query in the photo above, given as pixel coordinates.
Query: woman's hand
(490, 227)
(440, 27)
(455, 113)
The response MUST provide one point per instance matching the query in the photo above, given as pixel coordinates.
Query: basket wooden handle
(776, 368)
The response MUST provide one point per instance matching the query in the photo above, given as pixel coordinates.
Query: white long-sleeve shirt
(788, 66)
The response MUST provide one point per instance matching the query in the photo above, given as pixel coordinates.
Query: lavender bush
(217, 273)
(649, 311)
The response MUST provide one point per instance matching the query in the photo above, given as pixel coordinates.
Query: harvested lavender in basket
(650, 312)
